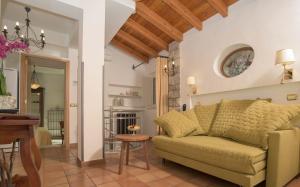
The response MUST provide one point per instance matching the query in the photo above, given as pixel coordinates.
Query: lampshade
(34, 80)
(191, 80)
(285, 57)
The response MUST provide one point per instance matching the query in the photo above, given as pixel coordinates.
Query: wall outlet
(291, 97)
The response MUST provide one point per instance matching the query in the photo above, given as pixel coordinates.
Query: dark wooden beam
(146, 33)
(129, 51)
(220, 6)
(185, 13)
(155, 19)
(136, 43)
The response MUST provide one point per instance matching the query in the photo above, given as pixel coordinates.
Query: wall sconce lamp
(170, 70)
(286, 57)
(191, 82)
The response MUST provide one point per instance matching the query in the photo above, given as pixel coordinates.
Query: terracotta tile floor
(60, 170)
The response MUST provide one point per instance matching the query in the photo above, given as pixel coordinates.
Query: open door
(24, 83)
(25, 88)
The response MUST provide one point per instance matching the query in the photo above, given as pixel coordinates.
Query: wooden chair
(62, 131)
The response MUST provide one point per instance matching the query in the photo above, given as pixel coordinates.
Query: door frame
(24, 86)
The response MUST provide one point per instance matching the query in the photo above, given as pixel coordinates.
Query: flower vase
(3, 89)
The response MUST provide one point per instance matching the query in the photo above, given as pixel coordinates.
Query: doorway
(49, 100)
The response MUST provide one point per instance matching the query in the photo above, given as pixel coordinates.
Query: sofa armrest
(283, 157)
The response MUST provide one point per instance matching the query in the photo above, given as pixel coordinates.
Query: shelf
(126, 96)
(124, 86)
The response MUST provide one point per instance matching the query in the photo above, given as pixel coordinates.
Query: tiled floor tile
(60, 169)
(110, 184)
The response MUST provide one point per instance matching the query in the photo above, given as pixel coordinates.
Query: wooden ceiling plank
(136, 43)
(130, 51)
(158, 21)
(146, 33)
(220, 6)
(182, 10)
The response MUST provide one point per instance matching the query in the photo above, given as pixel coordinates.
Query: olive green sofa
(245, 142)
(235, 162)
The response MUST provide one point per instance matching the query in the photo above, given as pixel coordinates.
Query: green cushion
(215, 151)
(206, 115)
(175, 124)
(192, 116)
(259, 119)
(228, 114)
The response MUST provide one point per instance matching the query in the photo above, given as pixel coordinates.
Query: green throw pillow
(259, 119)
(206, 115)
(192, 116)
(176, 124)
(228, 114)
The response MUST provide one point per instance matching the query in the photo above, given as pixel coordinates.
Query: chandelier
(25, 33)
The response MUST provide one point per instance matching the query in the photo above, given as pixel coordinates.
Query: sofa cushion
(215, 151)
(176, 124)
(192, 116)
(206, 115)
(228, 114)
(259, 119)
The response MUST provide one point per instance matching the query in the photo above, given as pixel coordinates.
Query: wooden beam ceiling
(182, 10)
(136, 43)
(146, 33)
(220, 6)
(129, 51)
(159, 22)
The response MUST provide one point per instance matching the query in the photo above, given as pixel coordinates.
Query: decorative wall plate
(237, 62)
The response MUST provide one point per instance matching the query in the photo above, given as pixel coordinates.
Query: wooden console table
(18, 127)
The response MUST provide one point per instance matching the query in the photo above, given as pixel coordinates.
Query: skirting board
(89, 163)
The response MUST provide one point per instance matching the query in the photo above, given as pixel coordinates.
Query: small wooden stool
(126, 139)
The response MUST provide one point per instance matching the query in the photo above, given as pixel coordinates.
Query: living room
(157, 93)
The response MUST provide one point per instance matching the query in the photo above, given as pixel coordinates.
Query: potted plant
(7, 47)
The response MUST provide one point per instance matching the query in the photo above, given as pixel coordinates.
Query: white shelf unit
(123, 85)
(131, 95)
(126, 96)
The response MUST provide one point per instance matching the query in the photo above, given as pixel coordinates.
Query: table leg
(121, 157)
(127, 153)
(32, 173)
(36, 153)
(146, 154)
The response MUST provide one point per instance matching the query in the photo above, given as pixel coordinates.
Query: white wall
(278, 93)
(54, 85)
(93, 58)
(118, 70)
(267, 26)
(91, 52)
(73, 57)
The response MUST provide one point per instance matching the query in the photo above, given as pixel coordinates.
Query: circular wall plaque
(237, 62)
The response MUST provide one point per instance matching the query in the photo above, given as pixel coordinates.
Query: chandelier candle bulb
(26, 34)
(5, 27)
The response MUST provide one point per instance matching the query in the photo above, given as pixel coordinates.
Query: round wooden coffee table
(126, 139)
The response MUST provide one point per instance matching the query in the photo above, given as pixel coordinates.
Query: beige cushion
(192, 116)
(259, 119)
(228, 114)
(176, 124)
(215, 151)
(206, 115)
